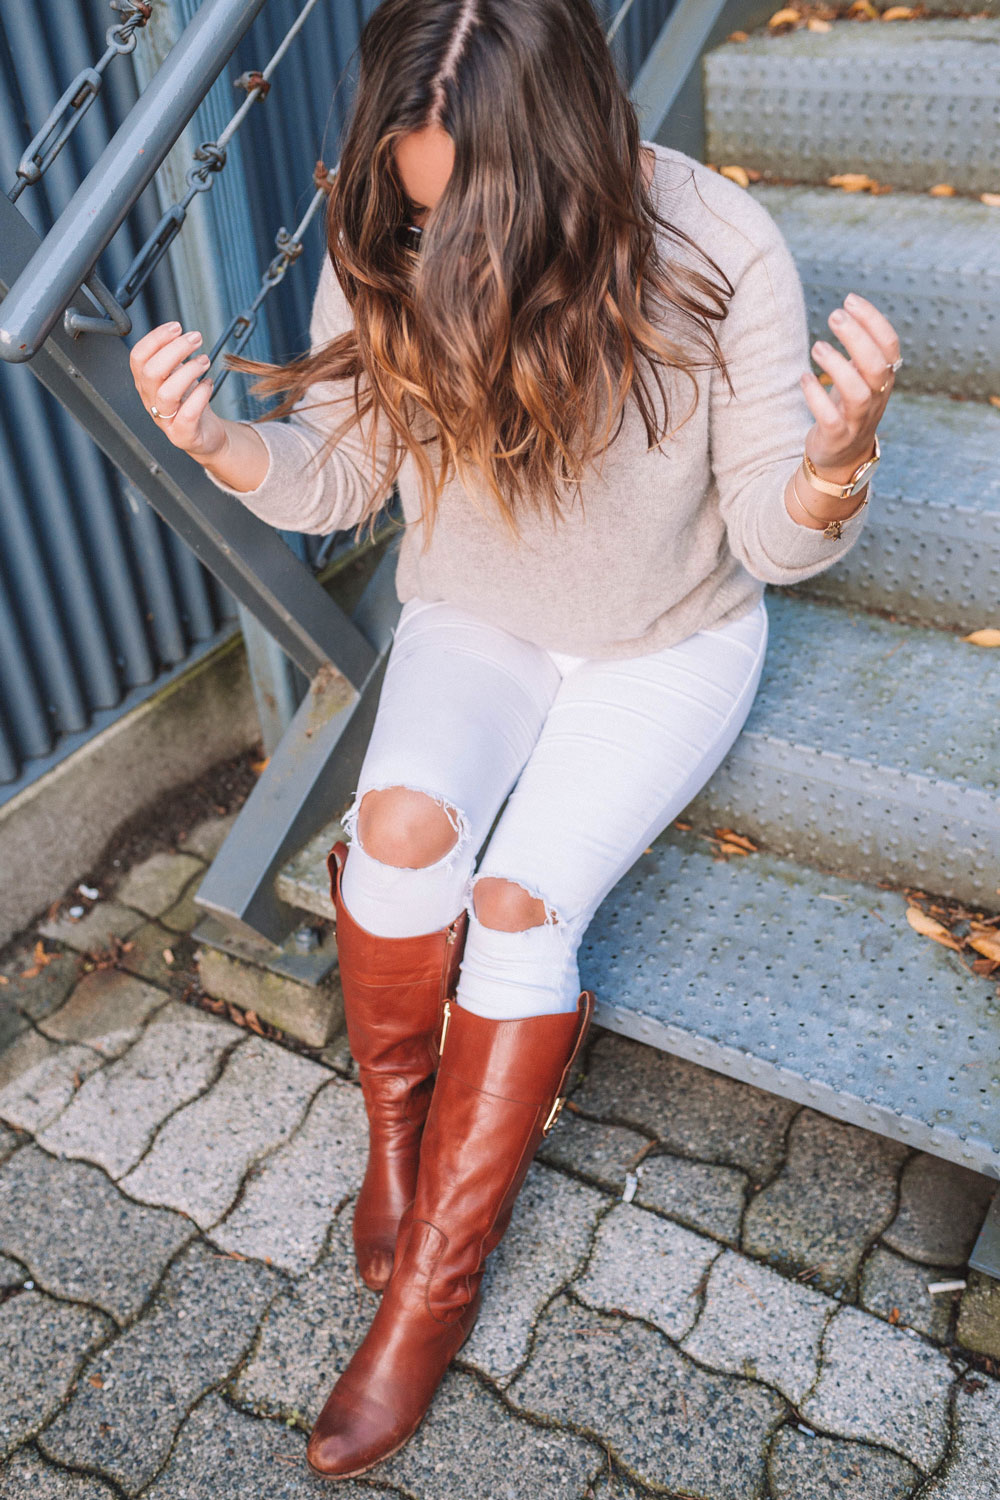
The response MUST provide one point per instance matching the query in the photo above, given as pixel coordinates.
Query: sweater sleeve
(757, 436)
(334, 497)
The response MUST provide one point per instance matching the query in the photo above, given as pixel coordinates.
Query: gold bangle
(833, 528)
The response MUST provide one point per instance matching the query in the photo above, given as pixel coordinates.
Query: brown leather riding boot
(394, 994)
(499, 1089)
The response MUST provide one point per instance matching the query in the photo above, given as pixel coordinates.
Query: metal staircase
(871, 758)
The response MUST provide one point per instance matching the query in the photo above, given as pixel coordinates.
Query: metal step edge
(929, 264)
(697, 957)
(872, 748)
(915, 103)
(930, 548)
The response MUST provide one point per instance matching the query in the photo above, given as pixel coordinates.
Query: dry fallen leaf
(257, 766)
(736, 174)
(927, 927)
(732, 837)
(941, 190)
(993, 199)
(815, 24)
(852, 182)
(862, 10)
(97, 1380)
(787, 17)
(990, 636)
(898, 13)
(737, 36)
(985, 940)
(993, 400)
(678, 823)
(728, 848)
(253, 1021)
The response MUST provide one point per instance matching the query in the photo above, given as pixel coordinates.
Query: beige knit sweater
(674, 539)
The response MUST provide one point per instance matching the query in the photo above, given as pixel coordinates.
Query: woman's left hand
(848, 414)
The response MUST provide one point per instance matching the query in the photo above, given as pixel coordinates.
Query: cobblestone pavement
(705, 1290)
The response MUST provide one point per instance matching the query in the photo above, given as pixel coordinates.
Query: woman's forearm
(825, 507)
(244, 459)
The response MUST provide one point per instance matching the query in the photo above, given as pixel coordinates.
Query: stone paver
(107, 1011)
(310, 1332)
(80, 1237)
(702, 1196)
(200, 1155)
(26, 1476)
(224, 1454)
(184, 914)
(290, 1197)
(755, 1323)
(93, 932)
(547, 1241)
(43, 1343)
(972, 1472)
(469, 1445)
(165, 958)
(12, 1023)
(979, 1315)
(836, 1190)
(36, 989)
(157, 883)
(889, 1284)
(601, 1153)
(691, 1111)
(647, 1267)
(659, 1414)
(133, 1395)
(112, 1119)
(941, 1209)
(39, 1077)
(883, 1385)
(823, 1468)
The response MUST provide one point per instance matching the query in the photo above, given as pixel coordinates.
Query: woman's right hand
(163, 372)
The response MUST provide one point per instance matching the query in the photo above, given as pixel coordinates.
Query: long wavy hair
(540, 300)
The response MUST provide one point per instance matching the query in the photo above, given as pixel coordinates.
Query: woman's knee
(406, 828)
(507, 906)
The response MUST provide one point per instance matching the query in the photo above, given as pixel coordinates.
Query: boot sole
(383, 1457)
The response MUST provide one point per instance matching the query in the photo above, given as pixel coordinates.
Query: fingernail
(836, 317)
(194, 338)
(173, 328)
(851, 301)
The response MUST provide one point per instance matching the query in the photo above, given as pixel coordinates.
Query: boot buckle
(553, 1115)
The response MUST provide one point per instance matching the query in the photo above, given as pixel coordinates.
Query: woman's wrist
(813, 508)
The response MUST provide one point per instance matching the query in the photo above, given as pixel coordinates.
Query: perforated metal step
(930, 549)
(872, 748)
(930, 264)
(911, 104)
(806, 985)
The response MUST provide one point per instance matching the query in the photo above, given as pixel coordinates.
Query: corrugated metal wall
(100, 603)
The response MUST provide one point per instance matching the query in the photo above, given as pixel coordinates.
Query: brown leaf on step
(815, 24)
(862, 10)
(736, 174)
(984, 966)
(899, 13)
(993, 400)
(253, 1021)
(728, 848)
(927, 927)
(740, 839)
(878, 188)
(97, 1380)
(989, 636)
(851, 182)
(257, 766)
(737, 36)
(992, 199)
(986, 941)
(941, 190)
(678, 824)
(894, 1315)
(786, 17)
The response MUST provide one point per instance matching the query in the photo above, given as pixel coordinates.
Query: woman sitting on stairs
(515, 286)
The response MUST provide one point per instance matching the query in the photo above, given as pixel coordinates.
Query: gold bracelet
(833, 528)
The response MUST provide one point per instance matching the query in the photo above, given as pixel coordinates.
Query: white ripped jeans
(597, 757)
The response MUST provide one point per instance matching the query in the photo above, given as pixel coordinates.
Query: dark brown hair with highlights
(540, 300)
